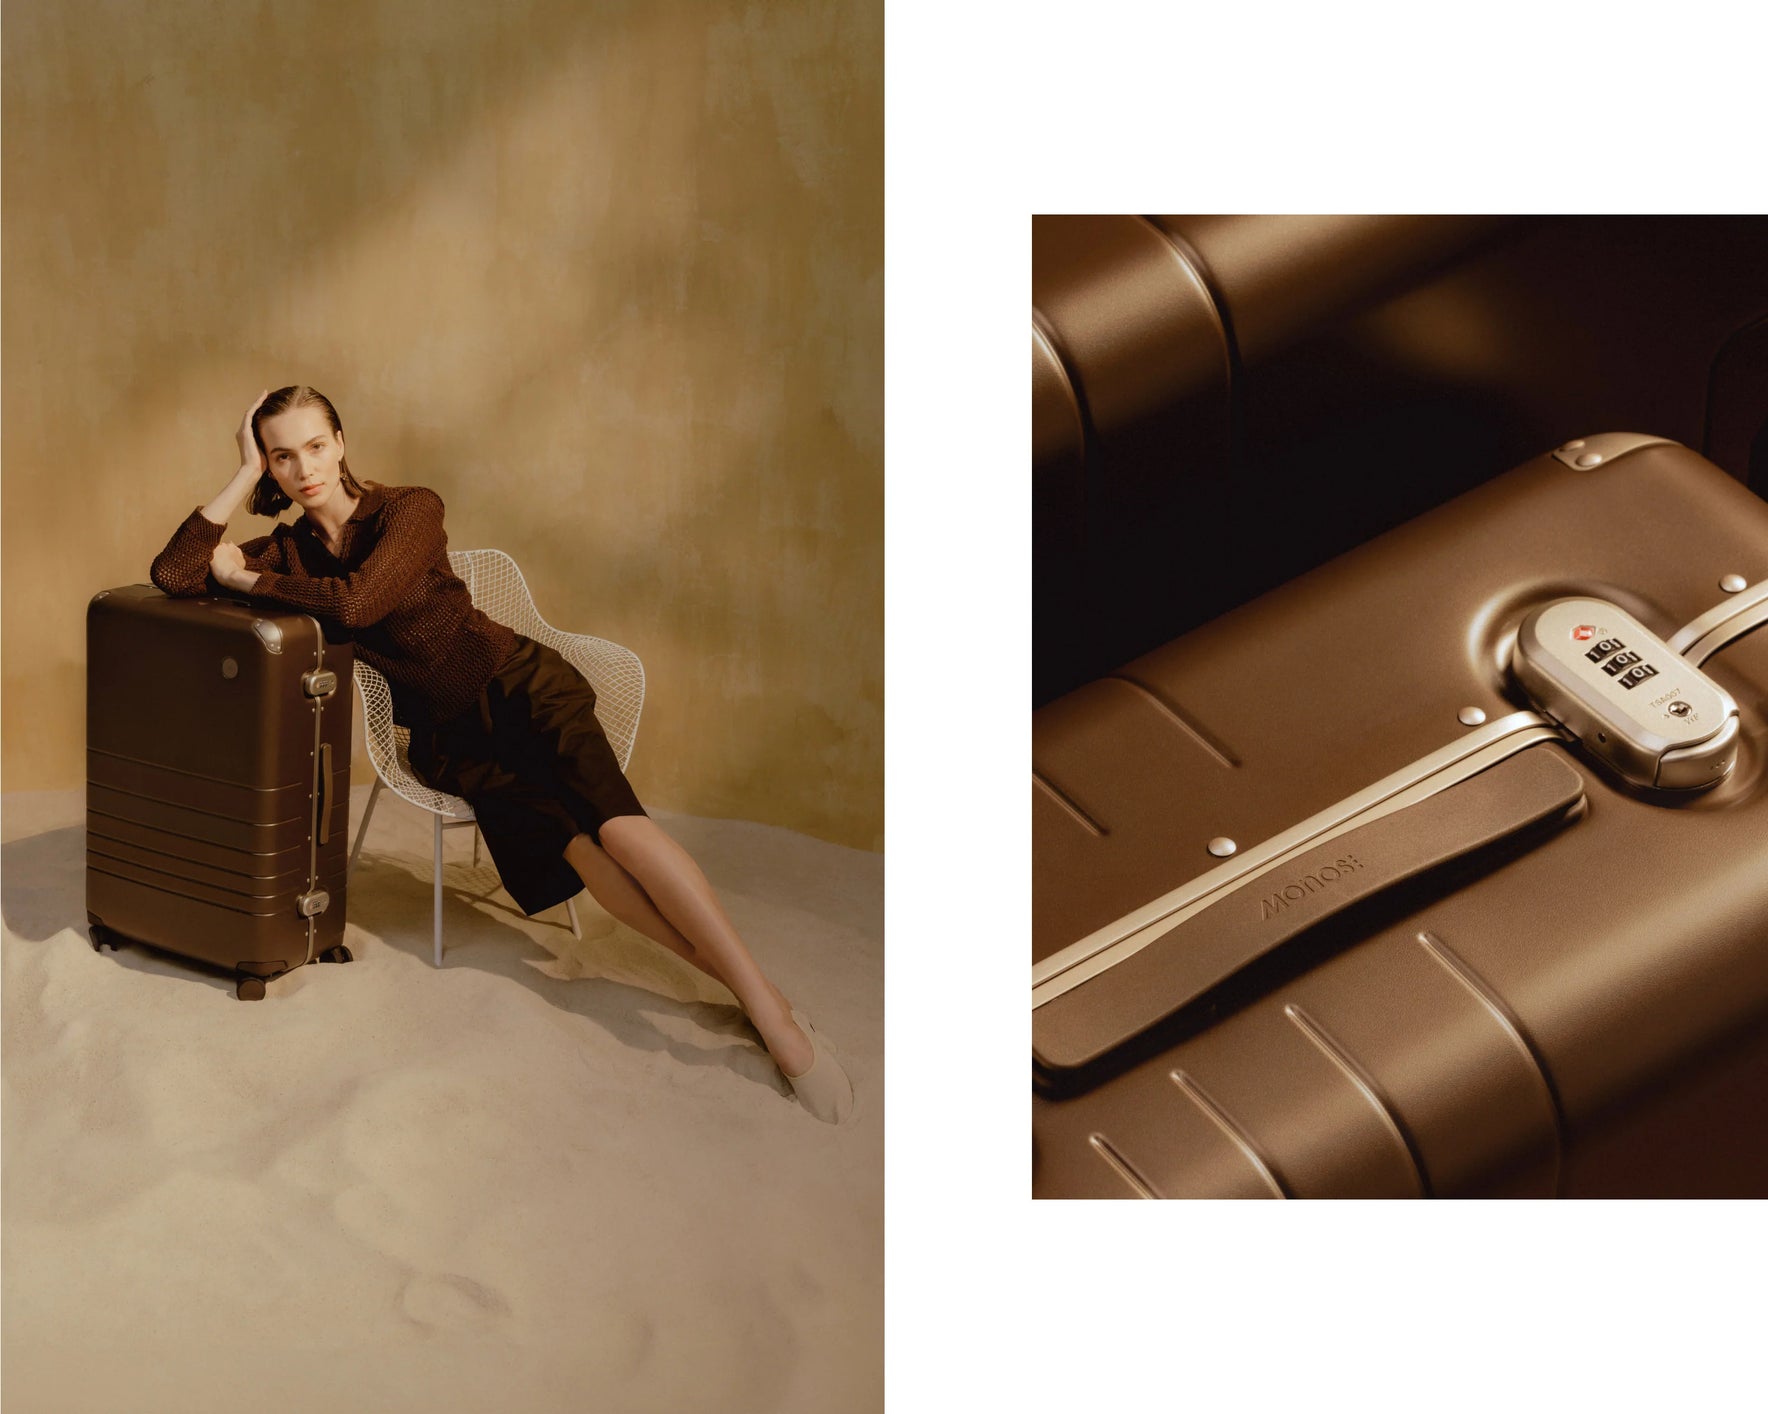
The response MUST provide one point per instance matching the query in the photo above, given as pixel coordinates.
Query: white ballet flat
(824, 1089)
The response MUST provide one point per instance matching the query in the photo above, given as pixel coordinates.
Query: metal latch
(307, 905)
(321, 682)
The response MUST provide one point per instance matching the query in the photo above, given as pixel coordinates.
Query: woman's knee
(625, 835)
(595, 863)
(590, 861)
(584, 852)
(600, 874)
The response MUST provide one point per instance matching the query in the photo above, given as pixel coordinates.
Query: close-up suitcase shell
(1441, 870)
(217, 789)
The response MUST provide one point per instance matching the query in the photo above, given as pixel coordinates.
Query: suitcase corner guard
(1588, 453)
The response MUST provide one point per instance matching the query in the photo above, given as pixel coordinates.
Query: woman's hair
(267, 498)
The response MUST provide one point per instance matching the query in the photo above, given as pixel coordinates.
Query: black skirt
(532, 760)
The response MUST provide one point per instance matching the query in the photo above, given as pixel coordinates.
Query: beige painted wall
(609, 277)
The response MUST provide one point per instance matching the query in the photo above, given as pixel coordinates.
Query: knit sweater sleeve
(411, 540)
(182, 568)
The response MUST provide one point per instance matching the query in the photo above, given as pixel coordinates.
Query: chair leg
(571, 908)
(362, 829)
(475, 846)
(438, 899)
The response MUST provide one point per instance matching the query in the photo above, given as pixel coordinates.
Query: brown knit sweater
(389, 588)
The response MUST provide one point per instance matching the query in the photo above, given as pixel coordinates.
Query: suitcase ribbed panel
(274, 833)
(118, 830)
(265, 892)
(284, 803)
(268, 899)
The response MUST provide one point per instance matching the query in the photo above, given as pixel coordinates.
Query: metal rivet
(1221, 846)
(1470, 716)
(229, 668)
(1572, 446)
(1732, 583)
(1590, 459)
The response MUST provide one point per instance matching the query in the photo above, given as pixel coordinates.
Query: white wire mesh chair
(498, 588)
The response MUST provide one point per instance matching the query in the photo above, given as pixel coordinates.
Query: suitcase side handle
(1532, 789)
(325, 792)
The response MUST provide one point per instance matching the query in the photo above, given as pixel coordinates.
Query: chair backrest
(495, 581)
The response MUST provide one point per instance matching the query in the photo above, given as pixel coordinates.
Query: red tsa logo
(1583, 631)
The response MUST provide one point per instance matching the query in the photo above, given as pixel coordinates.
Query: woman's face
(303, 453)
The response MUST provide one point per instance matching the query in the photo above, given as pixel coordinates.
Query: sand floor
(553, 1175)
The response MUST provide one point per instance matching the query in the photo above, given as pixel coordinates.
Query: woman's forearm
(220, 510)
(183, 567)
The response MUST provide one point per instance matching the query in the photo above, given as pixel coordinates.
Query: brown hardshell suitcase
(217, 786)
(1441, 870)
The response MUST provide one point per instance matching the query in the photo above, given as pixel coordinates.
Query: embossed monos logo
(1273, 904)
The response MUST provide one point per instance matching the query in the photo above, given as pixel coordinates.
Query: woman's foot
(785, 1040)
(804, 1058)
(824, 1089)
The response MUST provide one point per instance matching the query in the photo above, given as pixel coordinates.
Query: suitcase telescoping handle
(1534, 788)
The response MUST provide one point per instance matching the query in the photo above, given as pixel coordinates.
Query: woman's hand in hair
(249, 453)
(228, 565)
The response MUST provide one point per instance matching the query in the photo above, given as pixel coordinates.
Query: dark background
(1220, 403)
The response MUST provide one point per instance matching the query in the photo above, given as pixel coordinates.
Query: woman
(496, 718)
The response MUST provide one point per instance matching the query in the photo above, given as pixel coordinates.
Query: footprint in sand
(453, 1302)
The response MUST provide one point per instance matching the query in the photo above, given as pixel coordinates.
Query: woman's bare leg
(618, 892)
(681, 893)
(626, 899)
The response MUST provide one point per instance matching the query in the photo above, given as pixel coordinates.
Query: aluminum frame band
(1730, 619)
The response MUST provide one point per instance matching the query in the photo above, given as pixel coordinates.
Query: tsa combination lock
(1635, 703)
